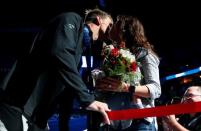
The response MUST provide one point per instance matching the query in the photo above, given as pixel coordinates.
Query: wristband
(132, 89)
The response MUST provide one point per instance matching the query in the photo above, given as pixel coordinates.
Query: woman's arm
(150, 71)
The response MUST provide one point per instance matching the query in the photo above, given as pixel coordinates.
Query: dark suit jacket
(52, 64)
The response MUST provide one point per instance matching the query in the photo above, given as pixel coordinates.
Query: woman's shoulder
(140, 53)
(151, 56)
(143, 54)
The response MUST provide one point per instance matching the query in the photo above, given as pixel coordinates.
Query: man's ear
(97, 21)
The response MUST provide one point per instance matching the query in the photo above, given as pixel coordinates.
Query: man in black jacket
(52, 65)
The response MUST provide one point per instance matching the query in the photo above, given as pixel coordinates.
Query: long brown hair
(132, 32)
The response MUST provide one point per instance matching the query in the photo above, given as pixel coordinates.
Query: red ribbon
(157, 111)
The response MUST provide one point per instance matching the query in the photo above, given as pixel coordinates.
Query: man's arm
(66, 53)
(66, 60)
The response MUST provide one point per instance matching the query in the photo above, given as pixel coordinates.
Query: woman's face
(114, 33)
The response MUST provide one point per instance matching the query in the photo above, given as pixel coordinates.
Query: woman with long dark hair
(128, 32)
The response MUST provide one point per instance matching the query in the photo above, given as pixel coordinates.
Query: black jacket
(52, 64)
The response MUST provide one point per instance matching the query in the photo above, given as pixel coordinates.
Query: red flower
(133, 66)
(114, 52)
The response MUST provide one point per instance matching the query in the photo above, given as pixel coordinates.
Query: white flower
(127, 54)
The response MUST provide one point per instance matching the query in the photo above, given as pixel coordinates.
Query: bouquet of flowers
(119, 66)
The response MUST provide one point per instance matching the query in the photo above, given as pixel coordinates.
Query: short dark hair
(91, 14)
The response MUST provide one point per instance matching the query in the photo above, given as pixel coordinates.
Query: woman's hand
(125, 87)
(108, 84)
(112, 84)
(136, 99)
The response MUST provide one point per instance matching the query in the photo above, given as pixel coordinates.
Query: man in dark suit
(52, 65)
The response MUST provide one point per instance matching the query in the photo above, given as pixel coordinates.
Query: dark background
(173, 27)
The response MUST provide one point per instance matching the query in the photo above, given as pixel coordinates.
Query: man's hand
(100, 107)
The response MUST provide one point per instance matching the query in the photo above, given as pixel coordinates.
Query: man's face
(192, 95)
(105, 26)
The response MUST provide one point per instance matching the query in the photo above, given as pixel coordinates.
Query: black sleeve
(66, 48)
